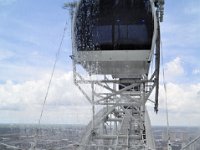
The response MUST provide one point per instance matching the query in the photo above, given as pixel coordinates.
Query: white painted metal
(193, 145)
(113, 55)
(123, 122)
(119, 63)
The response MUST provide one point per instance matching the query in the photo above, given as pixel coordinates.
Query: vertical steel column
(93, 106)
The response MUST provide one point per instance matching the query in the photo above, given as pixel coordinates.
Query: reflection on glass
(114, 25)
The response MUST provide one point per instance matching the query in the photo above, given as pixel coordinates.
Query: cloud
(22, 102)
(183, 97)
(27, 97)
(174, 68)
(183, 105)
(62, 92)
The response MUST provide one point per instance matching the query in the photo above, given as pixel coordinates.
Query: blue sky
(30, 33)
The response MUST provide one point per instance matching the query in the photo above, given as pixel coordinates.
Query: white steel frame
(123, 122)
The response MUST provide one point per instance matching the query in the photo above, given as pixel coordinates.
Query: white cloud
(24, 99)
(183, 98)
(174, 68)
(183, 105)
(22, 102)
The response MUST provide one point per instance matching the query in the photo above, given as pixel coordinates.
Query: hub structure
(116, 42)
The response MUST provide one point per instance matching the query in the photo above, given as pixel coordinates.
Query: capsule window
(114, 25)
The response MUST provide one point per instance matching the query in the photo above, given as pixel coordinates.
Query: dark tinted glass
(114, 24)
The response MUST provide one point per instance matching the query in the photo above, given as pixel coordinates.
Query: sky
(30, 33)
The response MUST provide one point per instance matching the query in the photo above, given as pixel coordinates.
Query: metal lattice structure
(122, 123)
(193, 145)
